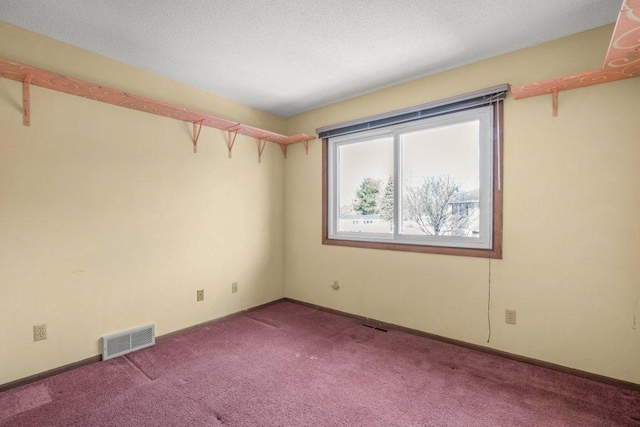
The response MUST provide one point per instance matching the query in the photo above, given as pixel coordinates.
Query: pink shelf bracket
(197, 127)
(231, 139)
(261, 144)
(284, 150)
(622, 61)
(26, 100)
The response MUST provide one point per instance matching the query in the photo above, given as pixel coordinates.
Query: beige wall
(109, 221)
(571, 265)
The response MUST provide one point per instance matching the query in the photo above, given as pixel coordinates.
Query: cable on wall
(489, 304)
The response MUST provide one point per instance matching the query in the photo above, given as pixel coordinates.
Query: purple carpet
(291, 365)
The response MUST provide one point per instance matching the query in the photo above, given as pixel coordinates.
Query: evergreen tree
(367, 197)
(386, 202)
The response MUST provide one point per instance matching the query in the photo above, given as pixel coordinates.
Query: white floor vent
(114, 345)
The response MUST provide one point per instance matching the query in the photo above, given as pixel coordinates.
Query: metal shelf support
(26, 100)
(261, 143)
(197, 127)
(231, 139)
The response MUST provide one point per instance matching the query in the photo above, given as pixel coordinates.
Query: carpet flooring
(287, 364)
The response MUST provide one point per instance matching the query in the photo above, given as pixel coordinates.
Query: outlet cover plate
(40, 332)
(200, 295)
(510, 317)
(234, 287)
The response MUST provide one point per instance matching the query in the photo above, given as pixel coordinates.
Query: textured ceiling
(289, 56)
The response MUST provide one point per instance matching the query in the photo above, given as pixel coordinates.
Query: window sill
(495, 253)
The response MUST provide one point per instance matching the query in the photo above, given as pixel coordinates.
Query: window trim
(496, 247)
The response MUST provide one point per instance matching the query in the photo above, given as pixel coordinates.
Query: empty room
(339, 213)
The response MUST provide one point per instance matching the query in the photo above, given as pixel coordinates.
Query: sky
(448, 150)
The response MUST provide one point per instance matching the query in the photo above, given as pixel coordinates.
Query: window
(425, 180)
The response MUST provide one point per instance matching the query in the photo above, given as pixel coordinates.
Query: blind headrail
(430, 109)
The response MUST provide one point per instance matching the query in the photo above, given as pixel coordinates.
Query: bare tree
(429, 205)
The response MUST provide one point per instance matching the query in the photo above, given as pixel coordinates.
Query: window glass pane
(364, 202)
(440, 184)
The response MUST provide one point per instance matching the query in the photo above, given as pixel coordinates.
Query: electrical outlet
(510, 317)
(200, 295)
(234, 287)
(40, 332)
(336, 285)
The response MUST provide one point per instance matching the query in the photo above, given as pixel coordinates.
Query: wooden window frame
(498, 168)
